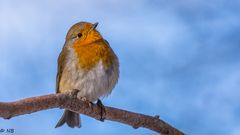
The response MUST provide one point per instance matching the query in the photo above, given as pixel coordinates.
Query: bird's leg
(84, 99)
(103, 110)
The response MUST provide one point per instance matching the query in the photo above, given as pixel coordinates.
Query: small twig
(67, 101)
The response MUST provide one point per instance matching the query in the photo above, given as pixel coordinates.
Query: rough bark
(71, 102)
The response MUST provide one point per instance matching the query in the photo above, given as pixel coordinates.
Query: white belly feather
(91, 84)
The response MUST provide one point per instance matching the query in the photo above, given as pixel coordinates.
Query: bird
(88, 64)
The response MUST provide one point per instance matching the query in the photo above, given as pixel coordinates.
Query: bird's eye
(79, 35)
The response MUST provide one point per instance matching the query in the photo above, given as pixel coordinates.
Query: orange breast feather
(90, 54)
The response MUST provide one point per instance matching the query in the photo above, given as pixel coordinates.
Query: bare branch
(70, 102)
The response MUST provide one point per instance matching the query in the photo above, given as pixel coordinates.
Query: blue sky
(178, 59)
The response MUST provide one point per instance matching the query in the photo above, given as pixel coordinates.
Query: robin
(87, 64)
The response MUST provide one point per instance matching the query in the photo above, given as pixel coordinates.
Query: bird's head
(83, 33)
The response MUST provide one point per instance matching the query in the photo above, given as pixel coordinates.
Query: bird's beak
(94, 26)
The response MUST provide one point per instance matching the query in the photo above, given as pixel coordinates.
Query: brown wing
(61, 65)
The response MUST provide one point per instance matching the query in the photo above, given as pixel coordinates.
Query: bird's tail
(71, 118)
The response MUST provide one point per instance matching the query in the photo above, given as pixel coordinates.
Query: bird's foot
(73, 93)
(84, 99)
(103, 110)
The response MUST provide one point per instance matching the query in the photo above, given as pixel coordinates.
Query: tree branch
(69, 101)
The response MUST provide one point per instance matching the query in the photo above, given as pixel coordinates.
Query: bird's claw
(84, 99)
